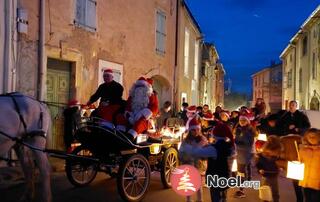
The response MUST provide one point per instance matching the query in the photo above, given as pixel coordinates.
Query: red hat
(108, 71)
(142, 81)
(194, 124)
(192, 109)
(208, 117)
(150, 81)
(223, 130)
(73, 102)
(245, 118)
(225, 113)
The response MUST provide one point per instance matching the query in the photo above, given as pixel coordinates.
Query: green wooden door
(58, 93)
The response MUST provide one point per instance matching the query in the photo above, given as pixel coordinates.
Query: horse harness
(20, 140)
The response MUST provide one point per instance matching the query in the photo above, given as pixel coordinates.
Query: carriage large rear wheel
(81, 173)
(133, 178)
(169, 162)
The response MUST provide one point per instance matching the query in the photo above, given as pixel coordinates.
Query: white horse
(27, 119)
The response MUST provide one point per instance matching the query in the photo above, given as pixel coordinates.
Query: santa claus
(142, 106)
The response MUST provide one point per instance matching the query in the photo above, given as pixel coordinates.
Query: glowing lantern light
(234, 167)
(155, 149)
(265, 193)
(295, 170)
(262, 137)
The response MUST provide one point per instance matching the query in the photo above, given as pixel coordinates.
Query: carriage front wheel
(81, 173)
(133, 178)
(169, 163)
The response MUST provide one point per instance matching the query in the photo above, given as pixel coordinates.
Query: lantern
(262, 137)
(295, 170)
(155, 148)
(265, 193)
(234, 167)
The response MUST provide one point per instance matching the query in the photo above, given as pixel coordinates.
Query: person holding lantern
(266, 164)
(310, 156)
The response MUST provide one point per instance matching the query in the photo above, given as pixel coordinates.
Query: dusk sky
(248, 34)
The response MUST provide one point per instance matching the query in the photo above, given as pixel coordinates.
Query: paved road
(103, 189)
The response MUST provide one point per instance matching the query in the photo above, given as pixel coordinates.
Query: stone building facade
(267, 84)
(301, 61)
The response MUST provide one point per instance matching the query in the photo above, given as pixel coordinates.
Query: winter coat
(244, 139)
(186, 158)
(220, 166)
(298, 118)
(268, 165)
(310, 156)
(108, 92)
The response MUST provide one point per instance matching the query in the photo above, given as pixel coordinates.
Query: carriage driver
(111, 102)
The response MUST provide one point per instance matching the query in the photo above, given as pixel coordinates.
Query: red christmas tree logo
(185, 180)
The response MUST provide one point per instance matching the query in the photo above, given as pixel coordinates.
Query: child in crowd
(244, 139)
(310, 156)
(267, 167)
(217, 154)
(194, 139)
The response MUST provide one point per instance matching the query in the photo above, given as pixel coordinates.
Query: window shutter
(91, 14)
(80, 12)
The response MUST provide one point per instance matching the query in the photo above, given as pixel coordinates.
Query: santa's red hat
(192, 109)
(150, 81)
(194, 124)
(225, 113)
(108, 71)
(243, 117)
(143, 82)
(208, 117)
(223, 130)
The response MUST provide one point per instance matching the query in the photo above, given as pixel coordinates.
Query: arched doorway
(164, 89)
(314, 104)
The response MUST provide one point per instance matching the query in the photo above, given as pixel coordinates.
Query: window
(290, 57)
(255, 81)
(196, 60)
(160, 32)
(304, 45)
(289, 84)
(86, 14)
(314, 66)
(300, 80)
(186, 52)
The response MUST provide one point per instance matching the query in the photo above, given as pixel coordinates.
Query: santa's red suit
(142, 105)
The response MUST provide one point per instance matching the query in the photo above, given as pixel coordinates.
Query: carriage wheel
(133, 178)
(81, 173)
(169, 163)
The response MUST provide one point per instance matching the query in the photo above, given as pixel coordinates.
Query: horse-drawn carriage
(109, 150)
(99, 149)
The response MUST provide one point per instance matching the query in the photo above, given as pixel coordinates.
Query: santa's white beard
(140, 98)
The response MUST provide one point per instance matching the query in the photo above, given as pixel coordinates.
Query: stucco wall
(125, 35)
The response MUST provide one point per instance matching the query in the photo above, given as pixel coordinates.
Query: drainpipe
(7, 47)
(41, 51)
(175, 77)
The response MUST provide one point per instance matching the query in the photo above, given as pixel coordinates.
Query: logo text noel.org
(222, 182)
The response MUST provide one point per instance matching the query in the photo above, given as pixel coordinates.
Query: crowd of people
(216, 139)
(233, 136)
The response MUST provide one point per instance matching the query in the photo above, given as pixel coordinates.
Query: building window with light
(85, 14)
(304, 45)
(300, 80)
(186, 51)
(314, 66)
(289, 84)
(160, 32)
(196, 60)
